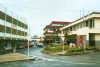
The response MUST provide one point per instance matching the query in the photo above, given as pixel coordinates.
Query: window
(84, 24)
(70, 28)
(8, 30)
(75, 27)
(91, 23)
(2, 28)
(87, 23)
(80, 26)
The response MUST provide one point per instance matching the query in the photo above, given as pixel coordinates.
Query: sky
(40, 13)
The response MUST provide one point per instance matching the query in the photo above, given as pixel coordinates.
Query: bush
(54, 48)
(90, 48)
(59, 48)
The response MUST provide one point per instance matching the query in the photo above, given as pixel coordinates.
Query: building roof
(49, 26)
(56, 22)
(59, 22)
(86, 16)
(80, 19)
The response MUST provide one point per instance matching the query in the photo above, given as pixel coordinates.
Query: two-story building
(52, 30)
(85, 31)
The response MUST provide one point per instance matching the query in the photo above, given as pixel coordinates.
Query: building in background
(13, 30)
(51, 31)
(37, 39)
(85, 31)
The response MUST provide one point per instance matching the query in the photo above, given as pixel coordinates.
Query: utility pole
(5, 24)
(63, 37)
(28, 41)
(63, 43)
(83, 21)
(5, 27)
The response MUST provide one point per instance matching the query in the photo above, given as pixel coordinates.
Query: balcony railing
(12, 14)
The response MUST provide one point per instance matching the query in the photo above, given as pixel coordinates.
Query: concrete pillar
(87, 39)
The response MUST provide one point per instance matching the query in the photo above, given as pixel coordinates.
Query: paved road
(56, 61)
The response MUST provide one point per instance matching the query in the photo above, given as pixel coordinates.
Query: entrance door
(91, 39)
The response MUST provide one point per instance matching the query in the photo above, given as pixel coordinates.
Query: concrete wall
(97, 23)
(97, 40)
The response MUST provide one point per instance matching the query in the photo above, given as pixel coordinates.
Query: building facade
(51, 31)
(13, 31)
(85, 31)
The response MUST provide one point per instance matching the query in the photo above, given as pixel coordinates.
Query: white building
(85, 30)
(13, 29)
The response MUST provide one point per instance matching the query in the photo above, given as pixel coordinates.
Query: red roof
(56, 22)
(48, 26)
(59, 22)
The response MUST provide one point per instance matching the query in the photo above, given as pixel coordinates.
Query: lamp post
(63, 42)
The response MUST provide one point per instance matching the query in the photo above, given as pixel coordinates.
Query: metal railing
(12, 14)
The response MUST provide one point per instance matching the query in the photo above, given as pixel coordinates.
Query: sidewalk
(14, 57)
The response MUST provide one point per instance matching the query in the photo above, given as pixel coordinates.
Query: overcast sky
(40, 13)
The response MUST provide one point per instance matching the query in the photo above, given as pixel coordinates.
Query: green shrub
(59, 48)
